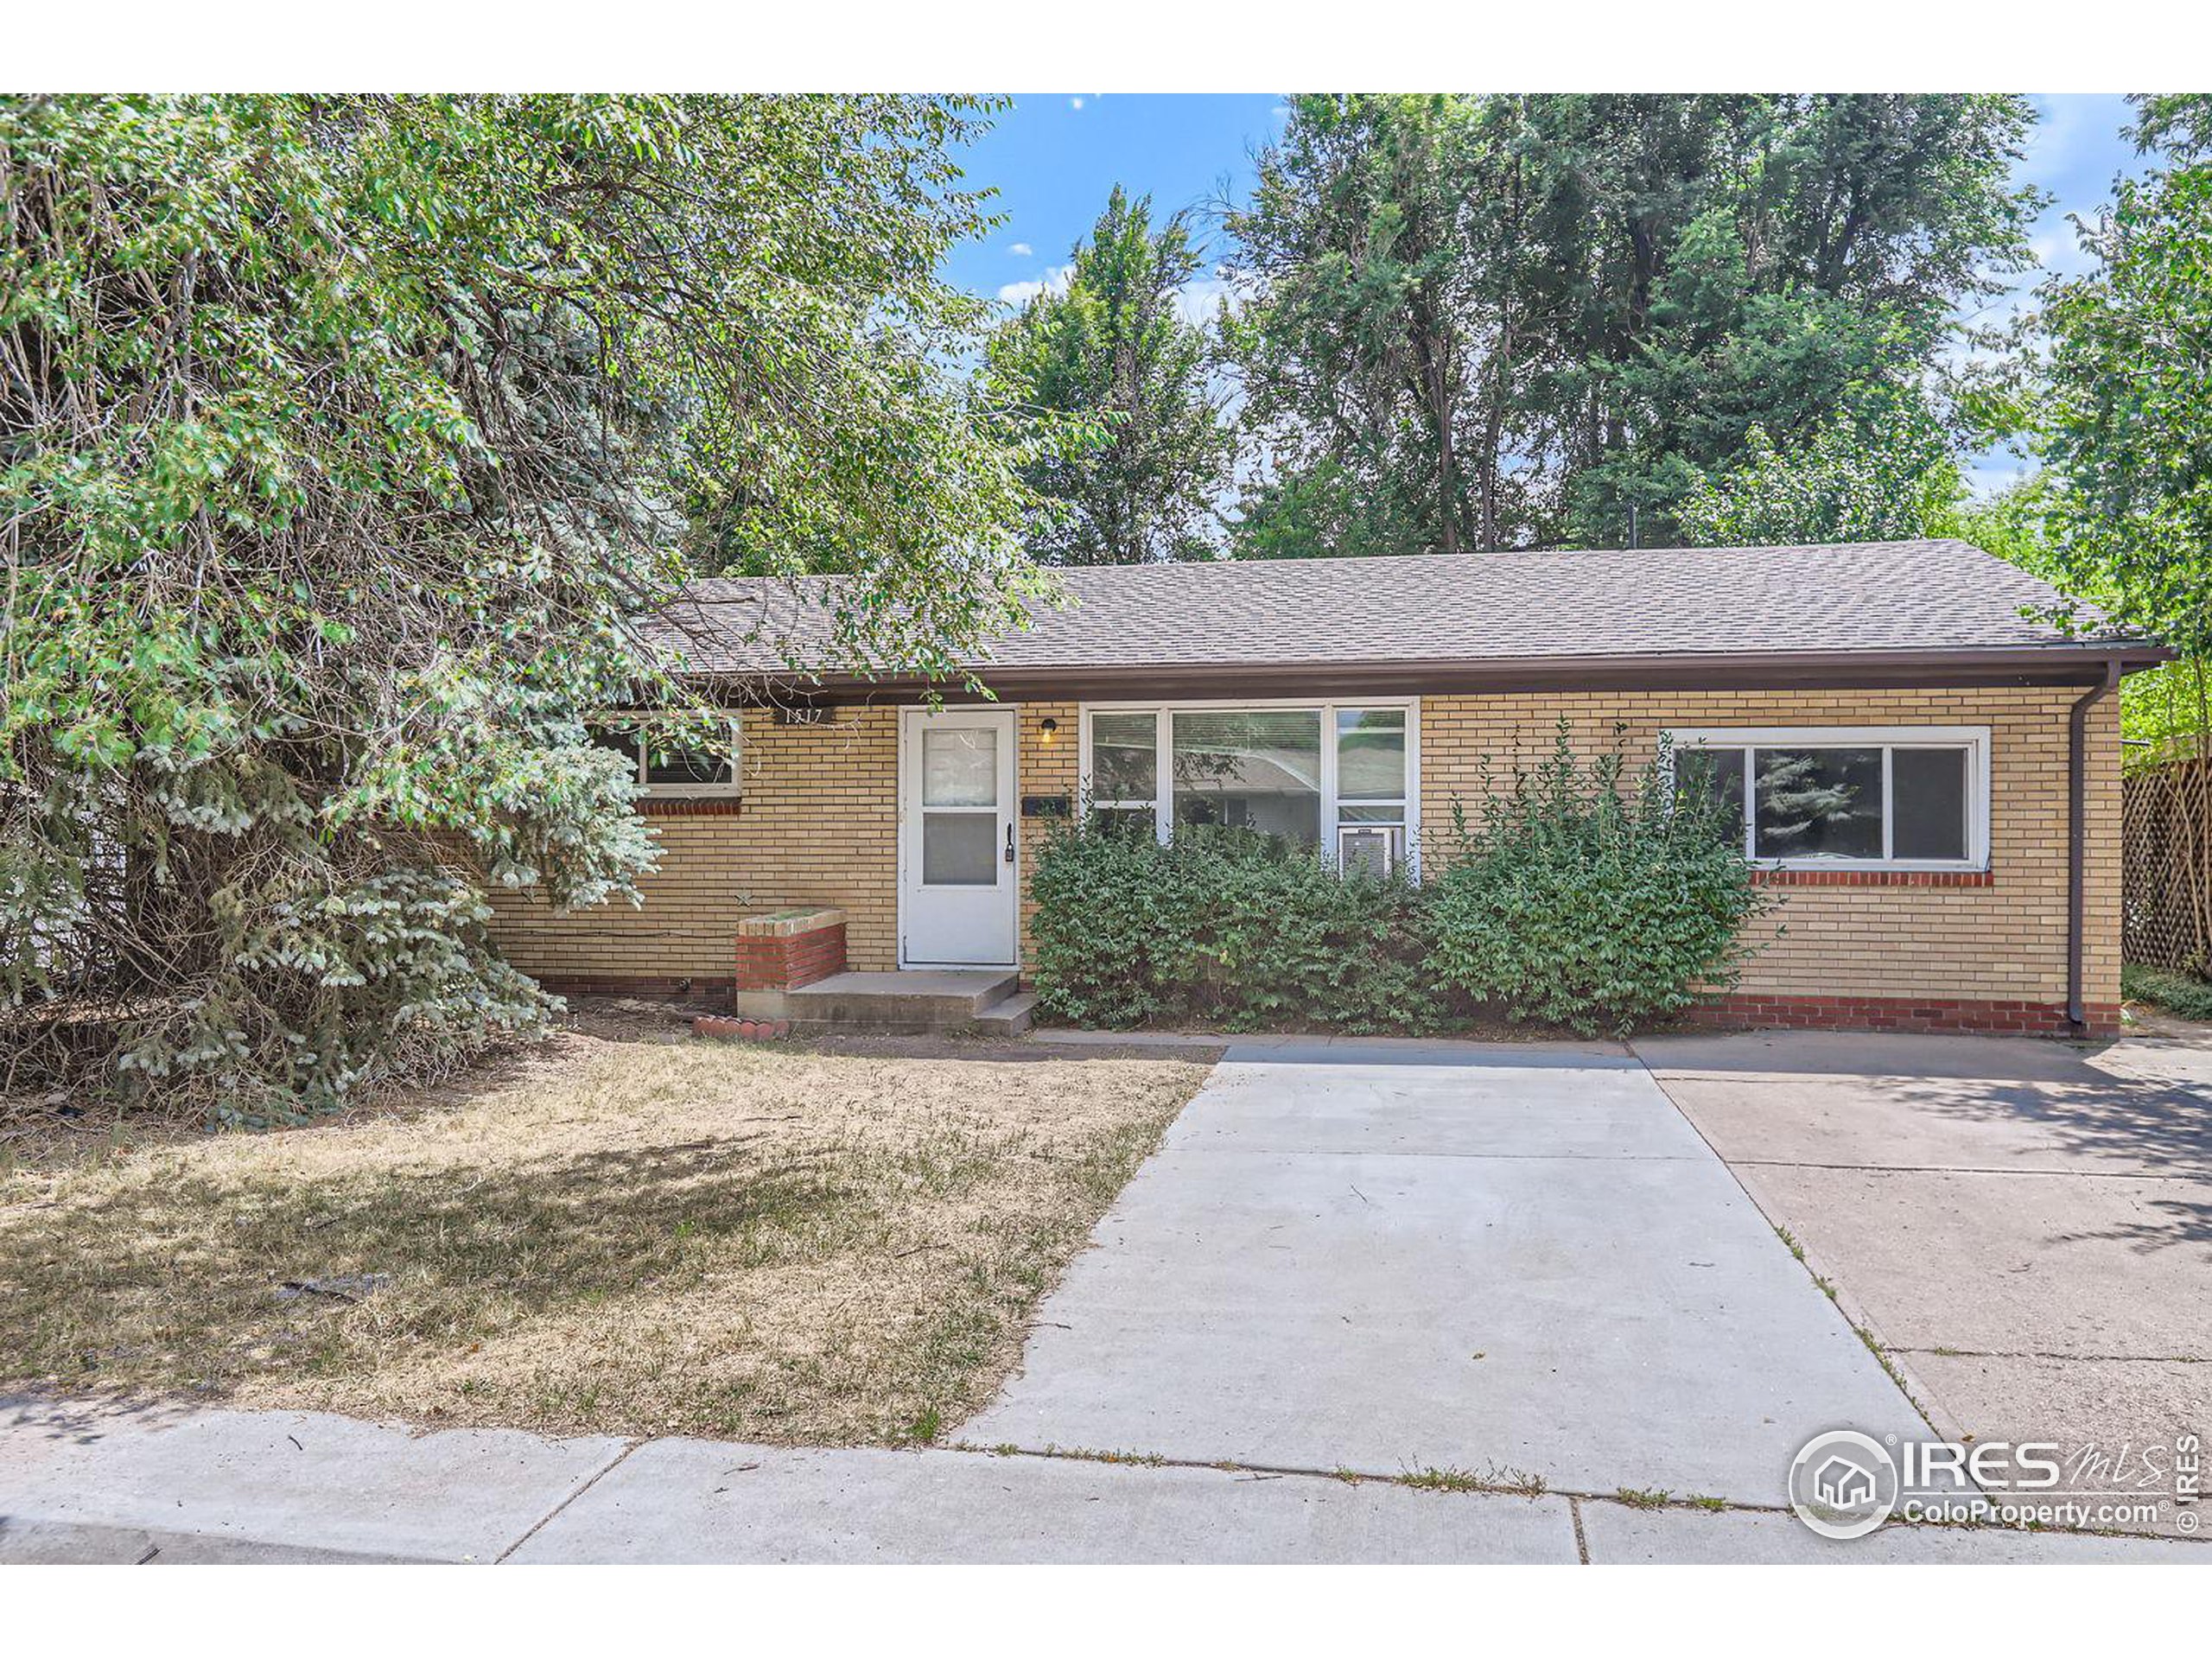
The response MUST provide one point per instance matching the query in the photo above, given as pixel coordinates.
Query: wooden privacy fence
(2166, 866)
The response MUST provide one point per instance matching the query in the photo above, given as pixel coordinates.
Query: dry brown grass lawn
(626, 1236)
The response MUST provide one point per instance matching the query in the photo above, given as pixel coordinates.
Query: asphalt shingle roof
(1473, 608)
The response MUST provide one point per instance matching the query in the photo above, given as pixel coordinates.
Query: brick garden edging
(744, 1031)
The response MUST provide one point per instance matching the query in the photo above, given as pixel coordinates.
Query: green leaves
(1592, 900)
(1583, 896)
(343, 441)
(1133, 448)
(1880, 469)
(1223, 927)
(2128, 429)
(1506, 321)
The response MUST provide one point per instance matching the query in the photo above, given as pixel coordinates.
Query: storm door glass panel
(1927, 789)
(1124, 758)
(960, 849)
(1256, 769)
(960, 767)
(1818, 803)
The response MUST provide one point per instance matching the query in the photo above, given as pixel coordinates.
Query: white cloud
(1021, 250)
(1197, 300)
(1075, 103)
(1054, 281)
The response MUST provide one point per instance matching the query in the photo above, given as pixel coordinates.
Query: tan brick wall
(1045, 769)
(818, 826)
(2006, 941)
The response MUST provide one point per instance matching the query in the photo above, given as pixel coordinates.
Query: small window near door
(960, 799)
(668, 766)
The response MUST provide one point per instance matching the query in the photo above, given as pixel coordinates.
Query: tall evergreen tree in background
(1508, 321)
(1113, 348)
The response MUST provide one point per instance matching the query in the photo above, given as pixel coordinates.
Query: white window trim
(697, 791)
(1974, 739)
(1163, 801)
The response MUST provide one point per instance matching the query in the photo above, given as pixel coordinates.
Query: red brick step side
(787, 949)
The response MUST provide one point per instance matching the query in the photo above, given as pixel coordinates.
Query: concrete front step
(915, 1000)
(1010, 1018)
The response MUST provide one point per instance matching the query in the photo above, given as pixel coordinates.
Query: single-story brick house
(1960, 868)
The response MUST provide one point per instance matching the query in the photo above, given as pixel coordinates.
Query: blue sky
(1053, 156)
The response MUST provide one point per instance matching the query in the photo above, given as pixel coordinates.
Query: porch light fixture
(1050, 728)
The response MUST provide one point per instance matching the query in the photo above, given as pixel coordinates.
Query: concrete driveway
(1517, 1262)
(2025, 1228)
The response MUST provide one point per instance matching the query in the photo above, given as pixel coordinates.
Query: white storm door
(959, 889)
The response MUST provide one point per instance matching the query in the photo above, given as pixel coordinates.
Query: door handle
(1009, 844)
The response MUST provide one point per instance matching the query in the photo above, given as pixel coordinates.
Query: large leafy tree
(2117, 404)
(1111, 350)
(1405, 310)
(2126, 426)
(340, 442)
(1879, 469)
(1518, 320)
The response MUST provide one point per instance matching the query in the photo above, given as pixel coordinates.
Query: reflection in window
(1819, 803)
(666, 764)
(1124, 761)
(1257, 769)
(1867, 802)
(960, 765)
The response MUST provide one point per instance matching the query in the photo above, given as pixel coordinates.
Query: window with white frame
(1336, 776)
(668, 767)
(1906, 797)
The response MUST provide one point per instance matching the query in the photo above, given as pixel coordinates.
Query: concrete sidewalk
(91, 1484)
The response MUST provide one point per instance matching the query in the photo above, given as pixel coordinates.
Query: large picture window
(1815, 797)
(1333, 776)
(670, 769)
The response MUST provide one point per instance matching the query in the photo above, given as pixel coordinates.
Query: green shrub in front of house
(1586, 899)
(1576, 898)
(1223, 927)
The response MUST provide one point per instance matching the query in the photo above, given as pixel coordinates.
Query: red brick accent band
(1873, 878)
(1743, 1010)
(675, 806)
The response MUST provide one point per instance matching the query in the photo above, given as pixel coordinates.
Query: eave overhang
(2082, 663)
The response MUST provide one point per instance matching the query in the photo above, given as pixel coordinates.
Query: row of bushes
(1577, 897)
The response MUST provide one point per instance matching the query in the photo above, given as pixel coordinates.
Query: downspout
(2077, 814)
